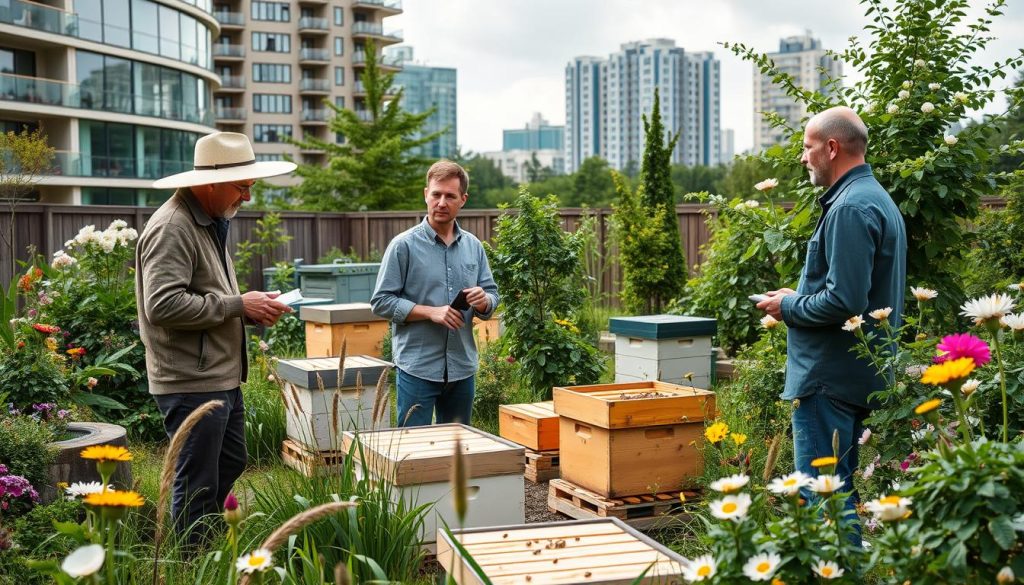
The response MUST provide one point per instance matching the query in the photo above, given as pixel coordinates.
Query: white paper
(290, 297)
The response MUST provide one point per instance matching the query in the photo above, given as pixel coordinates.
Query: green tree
(1010, 128)
(592, 185)
(697, 178)
(539, 269)
(535, 171)
(269, 235)
(374, 167)
(24, 157)
(747, 171)
(484, 178)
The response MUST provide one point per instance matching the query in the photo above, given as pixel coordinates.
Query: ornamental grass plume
(460, 481)
(963, 345)
(171, 458)
(380, 399)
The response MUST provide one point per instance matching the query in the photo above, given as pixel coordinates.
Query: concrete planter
(69, 467)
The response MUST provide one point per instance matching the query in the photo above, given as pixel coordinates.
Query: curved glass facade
(127, 151)
(144, 25)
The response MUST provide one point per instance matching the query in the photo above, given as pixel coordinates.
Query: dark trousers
(213, 458)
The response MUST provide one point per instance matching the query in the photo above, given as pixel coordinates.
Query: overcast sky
(511, 54)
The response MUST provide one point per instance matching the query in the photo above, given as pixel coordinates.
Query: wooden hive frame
(603, 551)
(599, 404)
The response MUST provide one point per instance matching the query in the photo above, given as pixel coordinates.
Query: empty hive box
(417, 461)
(632, 438)
(600, 552)
(328, 326)
(319, 406)
(669, 348)
(534, 425)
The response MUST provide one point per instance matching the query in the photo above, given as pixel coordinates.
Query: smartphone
(460, 303)
(758, 298)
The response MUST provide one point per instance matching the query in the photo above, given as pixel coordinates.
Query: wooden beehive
(486, 330)
(318, 407)
(633, 438)
(417, 461)
(599, 552)
(328, 326)
(534, 426)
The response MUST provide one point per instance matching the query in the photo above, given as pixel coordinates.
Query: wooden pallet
(308, 462)
(642, 512)
(542, 466)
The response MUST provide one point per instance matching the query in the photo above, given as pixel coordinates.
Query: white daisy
(258, 560)
(853, 323)
(1015, 322)
(984, 308)
(827, 569)
(761, 567)
(826, 484)
(701, 568)
(769, 322)
(923, 294)
(733, 483)
(889, 508)
(789, 485)
(84, 488)
(730, 507)
(767, 185)
(84, 561)
(881, 314)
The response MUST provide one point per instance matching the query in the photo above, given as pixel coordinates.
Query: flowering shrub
(16, 493)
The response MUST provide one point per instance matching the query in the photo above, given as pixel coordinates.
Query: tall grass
(264, 414)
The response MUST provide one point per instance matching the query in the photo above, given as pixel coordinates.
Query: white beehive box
(670, 348)
(318, 409)
(635, 369)
(417, 462)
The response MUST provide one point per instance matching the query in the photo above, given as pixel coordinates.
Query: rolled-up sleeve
(387, 301)
(167, 257)
(486, 281)
(851, 239)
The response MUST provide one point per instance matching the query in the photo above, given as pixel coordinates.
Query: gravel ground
(537, 504)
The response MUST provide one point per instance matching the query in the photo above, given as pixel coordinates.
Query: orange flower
(76, 352)
(47, 329)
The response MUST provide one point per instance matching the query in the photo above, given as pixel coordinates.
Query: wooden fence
(47, 227)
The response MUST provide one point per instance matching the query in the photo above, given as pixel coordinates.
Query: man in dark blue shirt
(856, 262)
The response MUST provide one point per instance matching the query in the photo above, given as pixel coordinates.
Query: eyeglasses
(243, 189)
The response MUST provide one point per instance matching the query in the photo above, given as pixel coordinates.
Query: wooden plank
(534, 426)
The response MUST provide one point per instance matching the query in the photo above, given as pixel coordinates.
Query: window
(90, 20)
(271, 42)
(339, 100)
(189, 40)
(116, 25)
(144, 37)
(339, 46)
(339, 16)
(90, 79)
(271, 73)
(272, 103)
(339, 76)
(170, 33)
(274, 11)
(265, 156)
(271, 132)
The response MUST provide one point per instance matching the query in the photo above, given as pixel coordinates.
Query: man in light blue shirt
(423, 271)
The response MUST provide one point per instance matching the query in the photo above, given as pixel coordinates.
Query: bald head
(844, 126)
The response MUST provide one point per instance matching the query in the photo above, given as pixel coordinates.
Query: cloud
(511, 56)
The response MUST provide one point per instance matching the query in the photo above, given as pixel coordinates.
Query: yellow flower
(947, 371)
(115, 499)
(717, 432)
(107, 453)
(738, 438)
(824, 461)
(928, 406)
(63, 485)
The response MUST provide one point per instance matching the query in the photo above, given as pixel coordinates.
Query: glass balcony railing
(75, 164)
(38, 17)
(359, 58)
(313, 23)
(232, 82)
(230, 113)
(313, 55)
(389, 4)
(35, 90)
(314, 84)
(230, 18)
(367, 28)
(224, 50)
(317, 115)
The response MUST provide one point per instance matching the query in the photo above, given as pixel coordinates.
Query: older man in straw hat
(192, 317)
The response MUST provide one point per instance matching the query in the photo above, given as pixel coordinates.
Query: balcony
(314, 117)
(376, 31)
(230, 20)
(314, 2)
(229, 114)
(75, 164)
(39, 17)
(312, 25)
(314, 85)
(387, 7)
(232, 83)
(364, 115)
(392, 62)
(314, 55)
(226, 52)
(36, 90)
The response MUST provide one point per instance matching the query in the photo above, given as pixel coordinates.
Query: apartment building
(280, 61)
(121, 88)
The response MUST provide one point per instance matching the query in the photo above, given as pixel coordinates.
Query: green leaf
(1001, 528)
(97, 400)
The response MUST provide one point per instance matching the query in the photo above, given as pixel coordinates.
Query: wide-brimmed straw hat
(224, 157)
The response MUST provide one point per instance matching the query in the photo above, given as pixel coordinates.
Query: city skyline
(511, 64)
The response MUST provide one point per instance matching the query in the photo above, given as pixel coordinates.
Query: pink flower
(963, 345)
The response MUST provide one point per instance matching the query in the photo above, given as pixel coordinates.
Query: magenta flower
(963, 345)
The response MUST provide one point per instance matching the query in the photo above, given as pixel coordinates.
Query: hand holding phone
(460, 303)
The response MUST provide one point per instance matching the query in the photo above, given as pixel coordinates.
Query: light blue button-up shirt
(419, 269)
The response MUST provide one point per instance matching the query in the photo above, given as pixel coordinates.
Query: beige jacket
(190, 308)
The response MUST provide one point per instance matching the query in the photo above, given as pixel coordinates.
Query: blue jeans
(453, 400)
(814, 422)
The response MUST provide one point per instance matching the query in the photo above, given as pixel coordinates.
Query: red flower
(47, 329)
(76, 352)
(21, 344)
(25, 283)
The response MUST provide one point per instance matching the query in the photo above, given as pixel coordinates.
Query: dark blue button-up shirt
(419, 269)
(856, 262)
